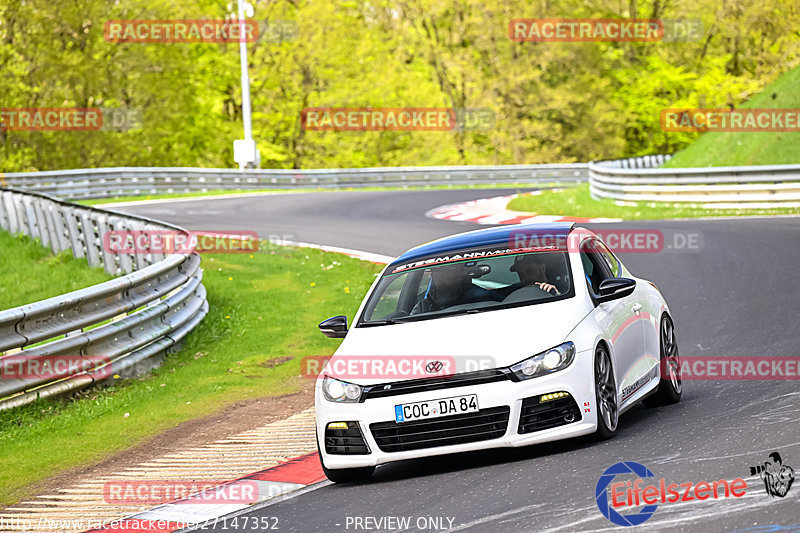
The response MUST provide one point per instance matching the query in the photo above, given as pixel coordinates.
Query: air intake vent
(485, 424)
(548, 411)
(348, 441)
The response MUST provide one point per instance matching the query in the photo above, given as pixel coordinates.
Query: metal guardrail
(637, 180)
(125, 181)
(132, 319)
(634, 179)
(123, 326)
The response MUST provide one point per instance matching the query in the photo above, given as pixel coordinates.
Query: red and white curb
(290, 476)
(494, 211)
(275, 461)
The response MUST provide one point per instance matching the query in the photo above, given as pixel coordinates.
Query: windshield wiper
(422, 316)
(377, 323)
(397, 320)
(457, 312)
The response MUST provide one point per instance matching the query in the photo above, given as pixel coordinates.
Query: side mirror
(615, 288)
(335, 327)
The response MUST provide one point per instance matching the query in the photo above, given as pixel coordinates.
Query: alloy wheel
(606, 389)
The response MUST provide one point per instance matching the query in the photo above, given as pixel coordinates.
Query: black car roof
(482, 238)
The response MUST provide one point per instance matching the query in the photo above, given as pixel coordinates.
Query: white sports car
(507, 336)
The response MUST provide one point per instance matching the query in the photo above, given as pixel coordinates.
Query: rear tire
(345, 475)
(670, 387)
(605, 393)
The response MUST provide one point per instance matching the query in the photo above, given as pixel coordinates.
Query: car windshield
(468, 286)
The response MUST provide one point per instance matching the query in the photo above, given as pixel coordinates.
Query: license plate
(435, 408)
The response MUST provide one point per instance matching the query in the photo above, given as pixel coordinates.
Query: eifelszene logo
(632, 493)
(777, 477)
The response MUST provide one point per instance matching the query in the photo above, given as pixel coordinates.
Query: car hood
(489, 339)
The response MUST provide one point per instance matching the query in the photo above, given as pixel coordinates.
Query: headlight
(335, 390)
(547, 362)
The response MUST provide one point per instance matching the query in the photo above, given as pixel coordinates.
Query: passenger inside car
(451, 285)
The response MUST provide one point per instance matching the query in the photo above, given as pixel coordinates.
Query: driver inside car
(452, 285)
(532, 271)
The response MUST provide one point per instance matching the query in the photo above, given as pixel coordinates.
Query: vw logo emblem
(433, 367)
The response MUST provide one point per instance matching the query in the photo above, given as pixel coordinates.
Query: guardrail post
(152, 257)
(109, 259)
(42, 227)
(89, 240)
(27, 221)
(13, 213)
(55, 223)
(73, 230)
(125, 260)
(4, 222)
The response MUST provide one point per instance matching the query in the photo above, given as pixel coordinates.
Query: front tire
(670, 387)
(605, 392)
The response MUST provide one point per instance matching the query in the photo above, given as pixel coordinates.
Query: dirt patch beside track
(232, 420)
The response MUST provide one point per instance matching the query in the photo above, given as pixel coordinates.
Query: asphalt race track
(737, 296)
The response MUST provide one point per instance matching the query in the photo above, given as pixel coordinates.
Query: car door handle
(636, 307)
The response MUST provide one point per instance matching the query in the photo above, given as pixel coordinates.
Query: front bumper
(577, 380)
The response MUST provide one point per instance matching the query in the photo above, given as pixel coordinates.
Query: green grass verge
(30, 272)
(222, 192)
(577, 202)
(264, 309)
(750, 148)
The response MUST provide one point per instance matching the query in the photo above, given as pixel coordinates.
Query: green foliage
(750, 148)
(553, 102)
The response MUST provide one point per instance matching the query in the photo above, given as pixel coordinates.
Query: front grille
(348, 441)
(485, 424)
(466, 379)
(537, 415)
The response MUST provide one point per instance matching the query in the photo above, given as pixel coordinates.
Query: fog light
(552, 396)
(337, 425)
